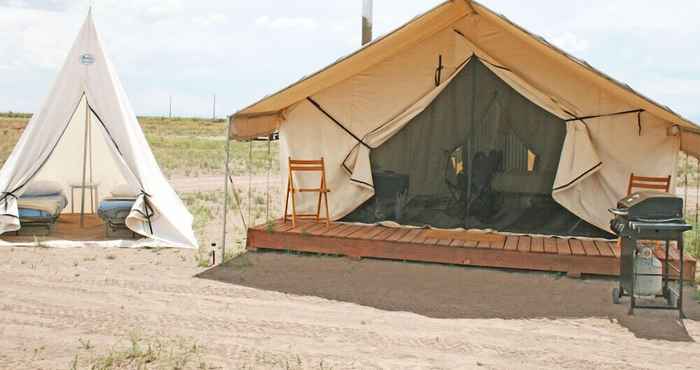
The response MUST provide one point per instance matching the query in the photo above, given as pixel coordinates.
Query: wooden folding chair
(296, 165)
(650, 183)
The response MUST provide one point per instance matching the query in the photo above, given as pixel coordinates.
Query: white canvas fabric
(51, 148)
(376, 91)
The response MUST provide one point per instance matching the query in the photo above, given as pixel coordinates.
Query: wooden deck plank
(604, 248)
(430, 241)
(563, 247)
(420, 239)
(376, 230)
(361, 233)
(550, 246)
(284, 227)
(398, 235)
(412, 234)
(537, 244)
(337, 230)
(615, 248)
(327, 229)
(499, 245)
(444, 241)
(484, 244)
(524, 243)
(511, 243)
(386, 232)
(466, 235)
(576, 247)
(589, 247)
(300, 227)
(472, 243)
(316, 228)
(457, 243)
(348, 231)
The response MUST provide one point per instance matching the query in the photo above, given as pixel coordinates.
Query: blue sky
(243, 50)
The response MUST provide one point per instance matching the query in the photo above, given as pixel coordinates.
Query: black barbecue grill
(649, 216)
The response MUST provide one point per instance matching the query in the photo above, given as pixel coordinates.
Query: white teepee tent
(86, 130)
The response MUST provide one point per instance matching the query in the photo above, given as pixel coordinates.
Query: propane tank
(646, 263)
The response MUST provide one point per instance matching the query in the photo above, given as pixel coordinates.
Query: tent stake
(228, 154)
(82, 189)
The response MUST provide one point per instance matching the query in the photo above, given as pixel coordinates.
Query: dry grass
(182, 146)
(141, 353)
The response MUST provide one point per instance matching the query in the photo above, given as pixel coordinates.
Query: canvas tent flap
(600, 155)
(579, 158)
(245, 127)
(88, 86)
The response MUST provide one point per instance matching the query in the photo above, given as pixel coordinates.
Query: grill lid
(650, 206)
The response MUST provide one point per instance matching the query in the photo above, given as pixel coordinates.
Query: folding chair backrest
(650, 183)
(306, 165)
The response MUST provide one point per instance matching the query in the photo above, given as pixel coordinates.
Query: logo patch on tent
(87, 59)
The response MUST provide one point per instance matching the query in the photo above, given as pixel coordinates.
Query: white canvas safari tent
(86, 129)
(461, 118)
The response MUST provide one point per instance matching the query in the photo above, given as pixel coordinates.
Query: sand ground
(255, 312)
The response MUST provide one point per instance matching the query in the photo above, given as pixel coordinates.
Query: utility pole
(170, 104)
(213, 110)
(366, 21)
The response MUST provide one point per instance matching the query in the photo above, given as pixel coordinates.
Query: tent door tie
(149, 210)
(438, 71)
(5, 195)
(639, 122)
(638, 111)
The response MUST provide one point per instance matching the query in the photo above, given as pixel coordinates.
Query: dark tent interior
(480, 156)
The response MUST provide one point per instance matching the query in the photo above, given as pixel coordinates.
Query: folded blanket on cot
(41, 205)
(115, 209)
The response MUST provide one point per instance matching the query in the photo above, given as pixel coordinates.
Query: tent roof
(424, 26)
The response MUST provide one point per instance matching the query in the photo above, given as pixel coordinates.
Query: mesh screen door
(480, 156)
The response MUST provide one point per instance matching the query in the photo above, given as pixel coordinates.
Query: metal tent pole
(470, 142)
(85, 140)
(250, 182)
(228, 154)
(269, 168)
(697, 201)
(685, 188)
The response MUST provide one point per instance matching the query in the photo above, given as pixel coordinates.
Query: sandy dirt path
(52, 299)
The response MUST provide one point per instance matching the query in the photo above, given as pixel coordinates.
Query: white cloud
(210, 20)
(287, 23)
(569, 42)
(50, 5)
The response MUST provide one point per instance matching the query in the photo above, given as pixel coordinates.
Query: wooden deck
(570, 255)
